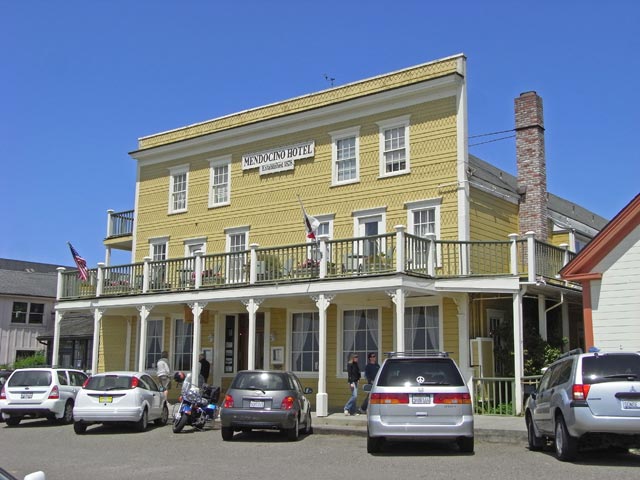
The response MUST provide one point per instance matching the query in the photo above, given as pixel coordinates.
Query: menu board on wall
(229, 343)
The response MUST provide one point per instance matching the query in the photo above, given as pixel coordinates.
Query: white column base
(322, 405)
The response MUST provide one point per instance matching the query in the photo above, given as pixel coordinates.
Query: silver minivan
(419, 396)
(40, 392)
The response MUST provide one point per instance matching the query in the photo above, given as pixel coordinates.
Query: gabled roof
(609, 237)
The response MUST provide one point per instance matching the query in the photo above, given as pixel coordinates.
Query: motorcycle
(197, 408)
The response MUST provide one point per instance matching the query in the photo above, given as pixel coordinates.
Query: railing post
(109, 223)
(198, 269)
(100, 286)
(513, 253)
(60, 286)
(431, 254)
(253, 272)
(400, 251)
(323, 255)
(565, 253)
(146, 274)
(531, 256)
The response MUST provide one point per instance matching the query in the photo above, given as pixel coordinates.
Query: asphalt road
(113, 453)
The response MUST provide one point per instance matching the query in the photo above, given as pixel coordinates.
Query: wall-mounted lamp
(272, 337)
(210, 337)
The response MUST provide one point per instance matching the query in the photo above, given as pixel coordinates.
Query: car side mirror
(367, 387)
(308, 390)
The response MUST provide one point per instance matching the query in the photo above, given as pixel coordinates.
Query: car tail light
(3, 395)
(228, 401)
(55, 393)
(134, 382)
(287, 403)
(580, 392)
(389, 398)
(452, 398)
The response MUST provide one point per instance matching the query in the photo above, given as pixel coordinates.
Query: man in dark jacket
(205, 366)
(370, 372)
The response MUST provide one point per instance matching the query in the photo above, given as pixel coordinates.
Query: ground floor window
(154, 342)
(422, 328)
(359, 334)
(76, 353)
(304, 341)
(183, 344)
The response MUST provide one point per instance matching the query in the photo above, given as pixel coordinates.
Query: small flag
(311, 224)
(81, 263)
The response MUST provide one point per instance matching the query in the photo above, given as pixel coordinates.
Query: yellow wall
(491, 218)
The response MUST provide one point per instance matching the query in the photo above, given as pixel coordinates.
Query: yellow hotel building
(419, 245)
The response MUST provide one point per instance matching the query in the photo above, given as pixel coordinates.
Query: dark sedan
(266, 400)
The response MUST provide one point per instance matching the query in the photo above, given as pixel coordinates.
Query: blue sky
(83, 80)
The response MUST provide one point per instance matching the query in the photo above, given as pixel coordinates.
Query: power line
(490, 141)
(492, 133)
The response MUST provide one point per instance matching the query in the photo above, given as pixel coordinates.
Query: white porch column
(197, 308)
(464, 359)
(398, 298)
(518, 344)
(252, 306)
(322, 398)
(144, 310)
(542, 317)
(97, 319)
(56, 338)
(531, 256)
(400, 253)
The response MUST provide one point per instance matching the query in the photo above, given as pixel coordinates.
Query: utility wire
(490, 141)
(492, 133)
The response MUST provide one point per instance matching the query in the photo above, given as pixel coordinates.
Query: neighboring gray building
(27, 299)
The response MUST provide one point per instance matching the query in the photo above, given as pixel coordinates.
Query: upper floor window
(178, 182)
(423, 217)
(27, 312)
(394, 146)
(158, 249)
(237, 240)
(220, 183)
(345, 156)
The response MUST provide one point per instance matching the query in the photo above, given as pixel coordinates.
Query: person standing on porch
(353, 376)
(164, 372)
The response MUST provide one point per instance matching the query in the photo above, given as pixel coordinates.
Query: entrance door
(237, 342)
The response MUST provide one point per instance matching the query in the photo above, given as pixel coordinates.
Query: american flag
(81, 263)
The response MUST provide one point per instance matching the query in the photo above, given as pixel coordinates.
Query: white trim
(383, 126)
(159, 241)
(216, 162)
(173, 172)
(288, 345)
(194, 241)
(342, 135)
(462, 126)
(371, 213)
(412, 207)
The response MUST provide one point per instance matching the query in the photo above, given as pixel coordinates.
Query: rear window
(36, 378)
(109, 382)
(419, 372)
(261, 381)
(611, 367)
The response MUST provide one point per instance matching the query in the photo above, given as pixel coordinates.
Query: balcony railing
(120, 223)
(359, 257)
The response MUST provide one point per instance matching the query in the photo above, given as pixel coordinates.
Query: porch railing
(358, 257)
(496, 395)
(119, 223)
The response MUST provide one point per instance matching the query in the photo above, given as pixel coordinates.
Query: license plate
(631, 404)
(421, 398)
(256, 404)
(105, 399)
(26, 396)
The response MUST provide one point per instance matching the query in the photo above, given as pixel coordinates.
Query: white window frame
(189, 351)
(224, 161)
(153, 365)
(234, 266)
(384, 126)
(426, 204)
(290, 364)
(189, 244)
(340, 353)
(159, 241)
(428, 302)
(173, 173)
(353, 132)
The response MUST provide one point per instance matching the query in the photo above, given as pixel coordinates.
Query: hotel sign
(278, 159)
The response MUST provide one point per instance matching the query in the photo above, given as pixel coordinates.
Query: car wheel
(535, 442)
(465, 444)
(164, 417)
(67, 416)
(227, 433)
(13, 421)
(566, 445)
(79, 427)
(308, 428)
(374, 444)
(294, 432)
(179, 423)
(141, 425)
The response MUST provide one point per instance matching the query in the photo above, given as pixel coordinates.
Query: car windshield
(260, 381)
(109, 382)
(30, 378)
(612, 367)
(419, 372)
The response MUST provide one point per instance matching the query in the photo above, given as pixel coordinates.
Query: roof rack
(417, 353)
(575, 351)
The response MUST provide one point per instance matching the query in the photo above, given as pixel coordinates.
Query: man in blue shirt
(370, 372)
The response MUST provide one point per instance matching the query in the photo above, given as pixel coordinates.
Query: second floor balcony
(391, 253)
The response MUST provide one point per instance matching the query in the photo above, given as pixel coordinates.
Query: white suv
(40, 392)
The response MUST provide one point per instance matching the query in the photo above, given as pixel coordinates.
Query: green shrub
(38, 359)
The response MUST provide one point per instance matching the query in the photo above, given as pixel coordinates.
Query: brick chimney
(531, 163)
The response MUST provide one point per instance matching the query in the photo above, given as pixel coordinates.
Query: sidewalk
(488, 428)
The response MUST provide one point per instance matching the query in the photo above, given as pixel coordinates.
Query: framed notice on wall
(277, 355)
